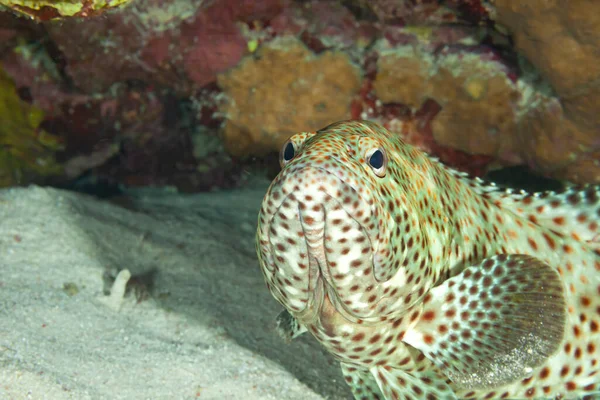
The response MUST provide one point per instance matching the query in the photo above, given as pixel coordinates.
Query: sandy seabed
(199, 326)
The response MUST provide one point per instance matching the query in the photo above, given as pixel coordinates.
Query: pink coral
(174, 44)
(217, 45)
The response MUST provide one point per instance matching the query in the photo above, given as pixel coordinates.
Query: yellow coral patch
(61, 8)
(26, 151)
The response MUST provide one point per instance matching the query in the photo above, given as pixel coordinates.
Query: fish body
(424, 283)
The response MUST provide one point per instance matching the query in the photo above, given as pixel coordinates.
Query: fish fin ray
(574, 212)
(493, 323)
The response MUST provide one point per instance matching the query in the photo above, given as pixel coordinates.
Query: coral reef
(120, 122)
(283, 90)
(403, 12)
(475, 11)
(324, 25)
(443, 91)
(190, 94)
(478, 99)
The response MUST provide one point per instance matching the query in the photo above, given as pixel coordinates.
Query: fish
(425, 283)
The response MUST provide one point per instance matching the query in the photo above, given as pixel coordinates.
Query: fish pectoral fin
(493, 323)
(362, 383)
(399, 384)
(288, 327)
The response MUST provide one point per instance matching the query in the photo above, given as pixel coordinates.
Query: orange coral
(561, 137)
(479, 103)
(402, 76)
(477, 97)
(284, 89)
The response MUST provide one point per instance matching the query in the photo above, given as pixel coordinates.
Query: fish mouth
(321, 239)
(323, 276)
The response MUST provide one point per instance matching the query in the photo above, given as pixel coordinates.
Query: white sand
(205, 332)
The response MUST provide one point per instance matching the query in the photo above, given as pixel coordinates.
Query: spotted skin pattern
(426, 284)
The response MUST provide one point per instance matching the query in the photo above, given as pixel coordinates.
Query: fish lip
(313, 309)
(321, 282)
(316, 311)
(341, 309)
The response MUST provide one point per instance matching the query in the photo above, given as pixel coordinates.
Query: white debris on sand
(205, 331)
(117, 291)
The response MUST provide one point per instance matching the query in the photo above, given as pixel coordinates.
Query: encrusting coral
(283, 89)
(560, 132)
(477, 97)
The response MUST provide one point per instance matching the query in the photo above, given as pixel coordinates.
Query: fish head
(337, 227)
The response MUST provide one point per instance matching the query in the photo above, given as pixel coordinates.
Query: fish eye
(377, 161)
(287, 152)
